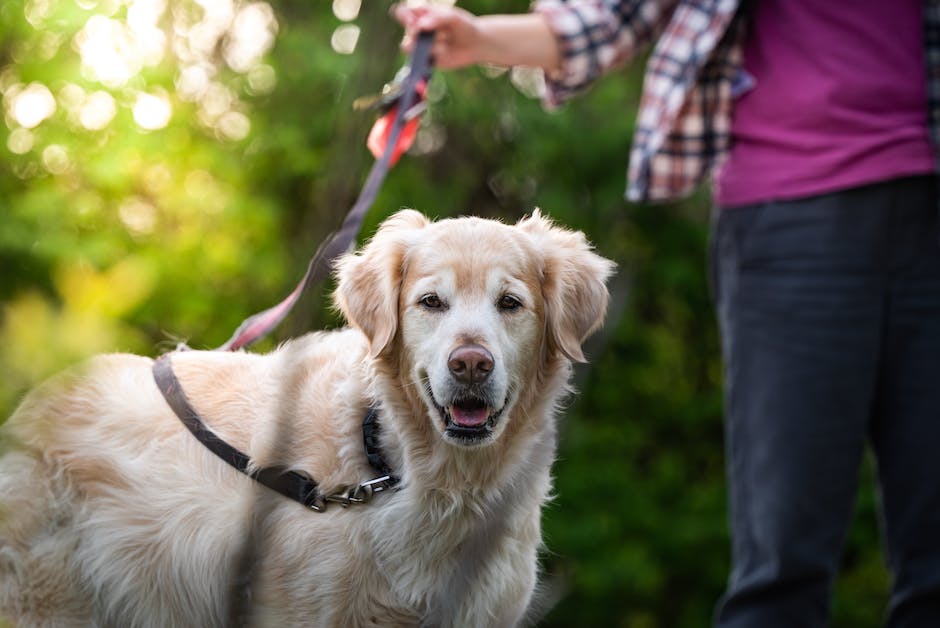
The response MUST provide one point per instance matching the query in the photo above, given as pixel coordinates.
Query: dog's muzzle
(470, 412)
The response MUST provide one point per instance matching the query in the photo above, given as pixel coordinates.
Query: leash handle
(259, 325)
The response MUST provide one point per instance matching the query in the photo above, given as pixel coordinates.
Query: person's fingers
(406, 15)
(408, 40)
(447, 24)
(430, 22)
(421, 18)
(407, 43)
(415, 20)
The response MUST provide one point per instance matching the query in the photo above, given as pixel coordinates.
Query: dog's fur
(114, 515)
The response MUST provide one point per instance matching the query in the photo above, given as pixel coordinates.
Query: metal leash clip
(360, 494)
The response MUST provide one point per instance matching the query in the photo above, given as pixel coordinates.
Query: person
(817, 124)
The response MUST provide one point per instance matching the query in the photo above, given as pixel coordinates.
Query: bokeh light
(108, 51)
(138, 216)
(346, 10)
(234, 126)
(121, 39)
(20, 141)
(345, 38)
(152, 111)
(55, 159)
(97, 111)
(32, 105)
(251, 36)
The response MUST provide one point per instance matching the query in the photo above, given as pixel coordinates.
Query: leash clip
(360, 494)
(318, 504)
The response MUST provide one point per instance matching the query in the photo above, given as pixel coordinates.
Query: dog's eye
(508, 302)
(431, 302)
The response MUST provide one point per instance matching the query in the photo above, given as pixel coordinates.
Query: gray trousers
(829, 310)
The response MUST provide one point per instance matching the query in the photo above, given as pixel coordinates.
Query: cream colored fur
(114, 515)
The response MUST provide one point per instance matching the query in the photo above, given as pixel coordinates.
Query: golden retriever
(462, 335)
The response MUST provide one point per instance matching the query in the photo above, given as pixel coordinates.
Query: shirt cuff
(578, 65)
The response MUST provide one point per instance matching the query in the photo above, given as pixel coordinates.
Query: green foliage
(118, 237)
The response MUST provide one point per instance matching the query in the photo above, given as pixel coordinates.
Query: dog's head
(468, 312)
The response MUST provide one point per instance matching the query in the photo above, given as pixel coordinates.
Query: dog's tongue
(469, 417)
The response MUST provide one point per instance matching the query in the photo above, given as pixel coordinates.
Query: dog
(462, 334)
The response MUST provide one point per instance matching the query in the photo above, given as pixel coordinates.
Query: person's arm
(462, 38)
(573, 42)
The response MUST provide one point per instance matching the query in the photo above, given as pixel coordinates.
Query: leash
(295, 485)
(401, 111)
(387, 142)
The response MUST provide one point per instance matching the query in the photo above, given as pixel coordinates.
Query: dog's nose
(470, 364)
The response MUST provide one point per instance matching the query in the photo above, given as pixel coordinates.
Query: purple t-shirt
(839, 100)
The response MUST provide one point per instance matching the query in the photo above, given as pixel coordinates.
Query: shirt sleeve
(596, 36)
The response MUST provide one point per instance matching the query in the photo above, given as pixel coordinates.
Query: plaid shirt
(695, 70)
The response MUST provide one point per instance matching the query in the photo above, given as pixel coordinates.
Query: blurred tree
(169, 165)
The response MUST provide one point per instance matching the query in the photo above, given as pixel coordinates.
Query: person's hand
(457, 38)
(461, 38)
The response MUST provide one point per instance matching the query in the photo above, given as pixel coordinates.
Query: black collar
(293, 484)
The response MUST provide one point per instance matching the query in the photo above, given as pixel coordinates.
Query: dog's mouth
(469, 417)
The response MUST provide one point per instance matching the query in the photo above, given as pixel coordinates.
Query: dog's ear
(573, 284)
(368, 282)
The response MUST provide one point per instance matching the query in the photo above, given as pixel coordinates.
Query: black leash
(293, 484)
(290, 483)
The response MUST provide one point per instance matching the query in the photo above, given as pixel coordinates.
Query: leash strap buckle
(360, 494)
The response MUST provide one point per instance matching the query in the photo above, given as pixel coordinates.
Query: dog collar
(296, 485)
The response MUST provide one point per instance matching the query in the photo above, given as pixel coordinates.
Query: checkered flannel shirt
(692, 76)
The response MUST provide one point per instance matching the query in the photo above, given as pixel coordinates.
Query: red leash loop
(381, 131)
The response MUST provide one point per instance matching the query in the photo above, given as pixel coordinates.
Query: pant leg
(906, 429)
(799, 290)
